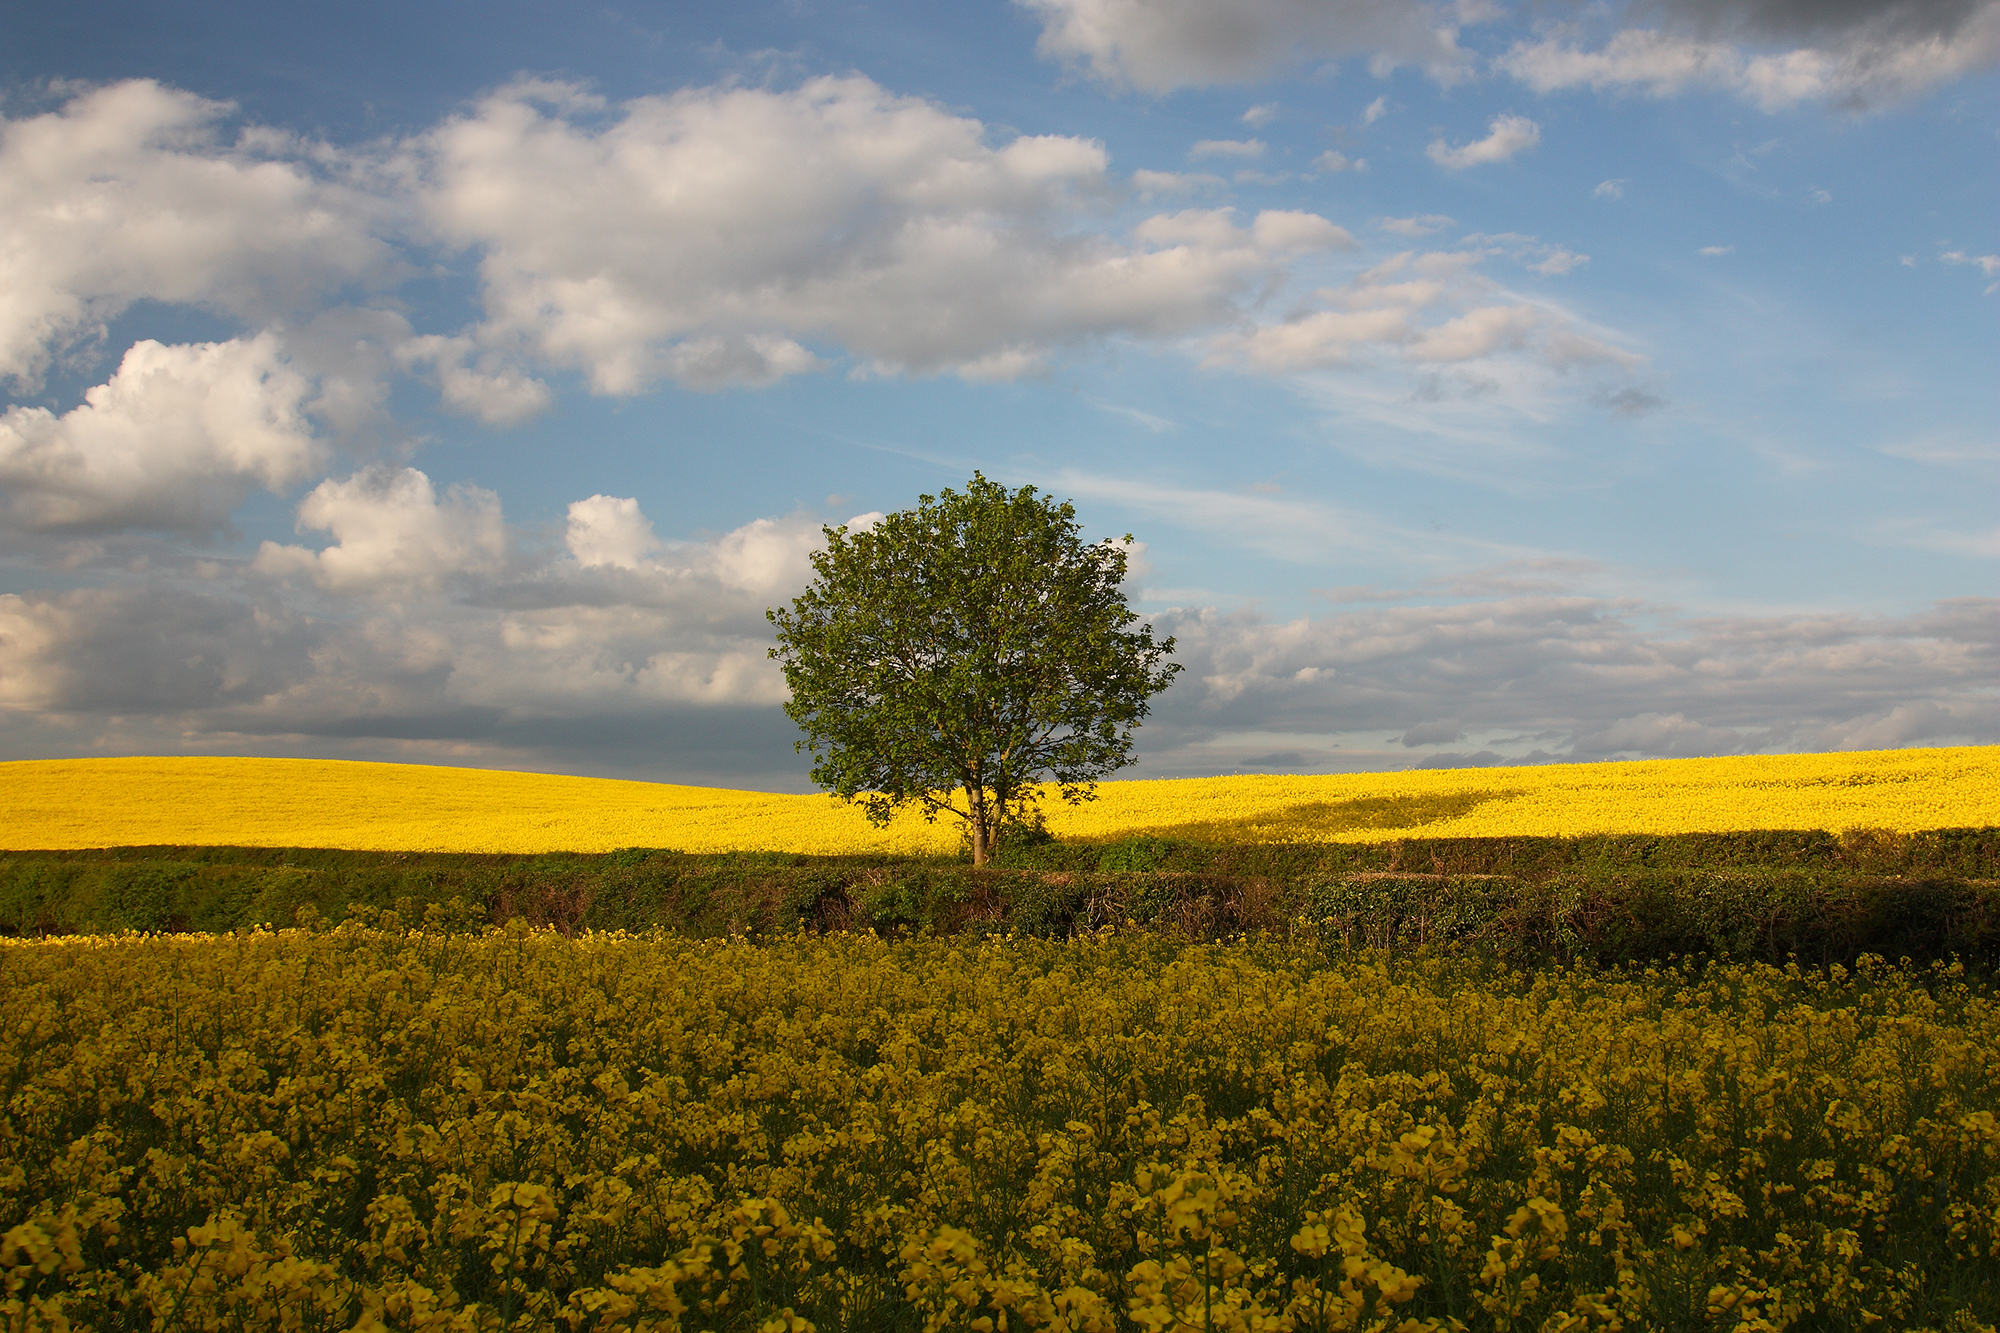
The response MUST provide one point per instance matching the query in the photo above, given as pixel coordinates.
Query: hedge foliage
(1815, 896)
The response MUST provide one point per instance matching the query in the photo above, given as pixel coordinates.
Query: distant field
(404, 807)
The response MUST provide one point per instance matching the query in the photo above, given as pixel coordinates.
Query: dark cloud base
(1515, 679)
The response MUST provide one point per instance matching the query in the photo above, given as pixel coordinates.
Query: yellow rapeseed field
(411, 807)
(368, 1129)
(397, 807)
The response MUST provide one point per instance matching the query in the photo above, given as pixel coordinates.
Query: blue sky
(1483, 382)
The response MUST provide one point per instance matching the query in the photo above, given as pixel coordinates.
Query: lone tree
(956, 654)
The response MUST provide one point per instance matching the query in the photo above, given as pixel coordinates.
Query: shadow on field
(1387, 814)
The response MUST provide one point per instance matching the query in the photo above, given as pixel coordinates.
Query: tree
(956, 654)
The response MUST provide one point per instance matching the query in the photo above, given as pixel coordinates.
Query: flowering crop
(398, 807)
(379, 1129)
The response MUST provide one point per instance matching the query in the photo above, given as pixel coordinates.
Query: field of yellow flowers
(397, 807)
(373, 1127)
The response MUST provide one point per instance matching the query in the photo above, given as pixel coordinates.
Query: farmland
(55, 804)
(1600, 1047)
(360, 1128)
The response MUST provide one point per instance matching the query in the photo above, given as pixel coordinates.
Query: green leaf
(958, 653)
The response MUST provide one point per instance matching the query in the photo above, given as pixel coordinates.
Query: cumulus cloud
(718, 237)
(723, 236)
(134, 192)
(1773, 53)
(174, 440)
(392, 532)
(1506, 136)
(478, 382)
(105, 652)
(1286, 230)
(1161, 45)
(430, 629)
(607, 530)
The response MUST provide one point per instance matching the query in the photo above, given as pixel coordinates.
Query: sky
(1479, 382)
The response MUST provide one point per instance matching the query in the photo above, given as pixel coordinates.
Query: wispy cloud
(1423, 224)
(1295, 530)
(1226, 148)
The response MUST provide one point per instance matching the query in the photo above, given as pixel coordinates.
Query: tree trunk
(982, 828)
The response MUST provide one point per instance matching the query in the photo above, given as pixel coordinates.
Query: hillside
(241, 802)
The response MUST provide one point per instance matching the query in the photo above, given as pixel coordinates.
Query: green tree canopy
(958, 653)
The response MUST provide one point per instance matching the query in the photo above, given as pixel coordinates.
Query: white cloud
(1160, 45)
(1150, 183)
(131, 192)
(1611, 189)
(392, 533)
(1375, 110)
(770, 556)
(175, 439)
(1476, 333)
(1321, 338)
(1506, 136)
(1335, 160)
(1227, 148)
(1559, 261)
(719, 235)
(1283, 230)
(1271, 232)
(1986, 264)
(477, 382)
(1257, 117)
(606, 530)
(1716, 251)
(1856, 55)
(1429, 308)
